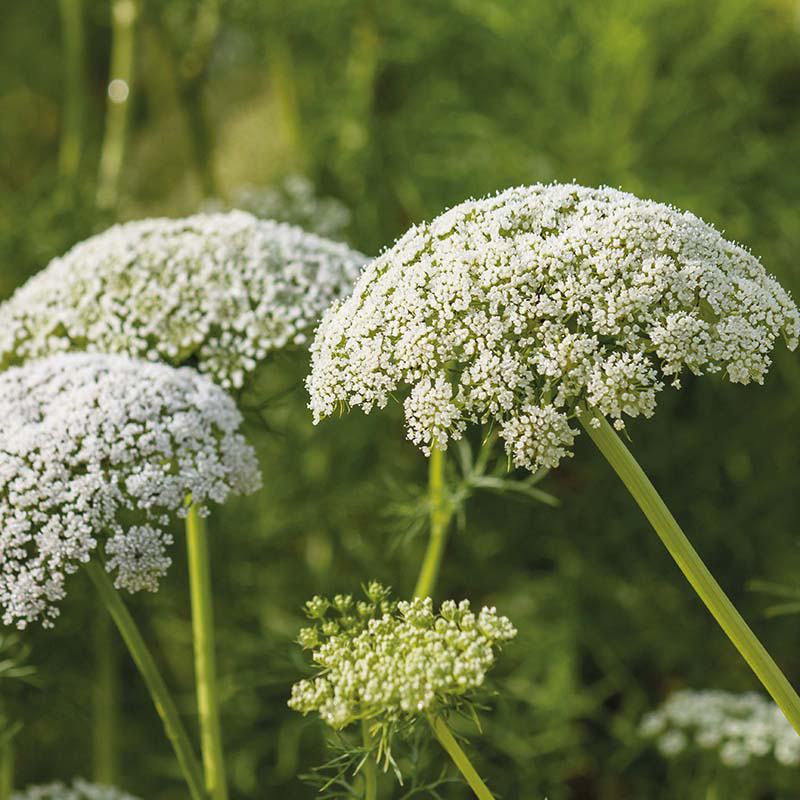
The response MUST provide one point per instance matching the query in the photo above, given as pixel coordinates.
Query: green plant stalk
(440, 514)
(69, 155)
(459, 757)
(690, 563)
(6, 769)
(106, 694)
(368, 769)
(152, 677)
(204, 655)
(123, 38)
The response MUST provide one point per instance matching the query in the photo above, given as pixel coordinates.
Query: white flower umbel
(547, 304)
(738, 727)
(79, 790)
(98, 451)
(384, 663)
(516, 308)
(216, 291)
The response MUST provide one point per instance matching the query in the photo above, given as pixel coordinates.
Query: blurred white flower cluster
(295, 200)
(105, 447)
(79, 790)
(216, 291)
(738, 727)
(518, 308)
(388, 661)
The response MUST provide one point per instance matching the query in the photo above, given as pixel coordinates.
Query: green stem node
(690, 563)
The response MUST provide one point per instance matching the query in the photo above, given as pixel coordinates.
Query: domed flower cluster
(79, 790)
(739, 727)
(388, 660)
(519, 308)
(218, 291)
(105, 447)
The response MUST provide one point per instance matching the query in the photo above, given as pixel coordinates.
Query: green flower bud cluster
(390, 661)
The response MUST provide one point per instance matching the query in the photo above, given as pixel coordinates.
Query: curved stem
(460, 759)
(439, 520)
(152, 677)
(690, 563)
(204, 655)
(369, 767)
(105, 700)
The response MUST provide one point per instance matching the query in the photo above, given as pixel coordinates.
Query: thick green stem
(6, 769)
(105, 700)
(369, 768)
(123, 35)
(460, 759)
(439, 520)
(152, 678)
(679, 547)
(204, 655)
(69, 154)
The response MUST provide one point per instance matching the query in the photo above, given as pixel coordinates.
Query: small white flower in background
(104, 448)
(391, 661)
(216, 291)
(738, 727)
(295, 200)
(518, 308)
(79, 790)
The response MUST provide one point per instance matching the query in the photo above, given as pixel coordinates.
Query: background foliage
(399, 109)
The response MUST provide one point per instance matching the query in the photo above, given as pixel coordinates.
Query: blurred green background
(395, 110)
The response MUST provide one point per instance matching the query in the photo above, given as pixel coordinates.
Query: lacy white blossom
(519, 308)
(388, 661)
(105, 448)
(79, 790)
(738, 727)
(218, 291)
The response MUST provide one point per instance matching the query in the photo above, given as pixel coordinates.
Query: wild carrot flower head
(105, 448)
(738, 727)
(518, 308)
(216, 291)
(389, 661)
(79, 790)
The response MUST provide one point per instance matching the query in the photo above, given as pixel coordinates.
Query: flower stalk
(459, 757)
(165, 706)
(106, 700)
(112, 154)
(204, 654)
(368, 768)
(692, 566)
(70, 146)
(6, 769)
(440, 513)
